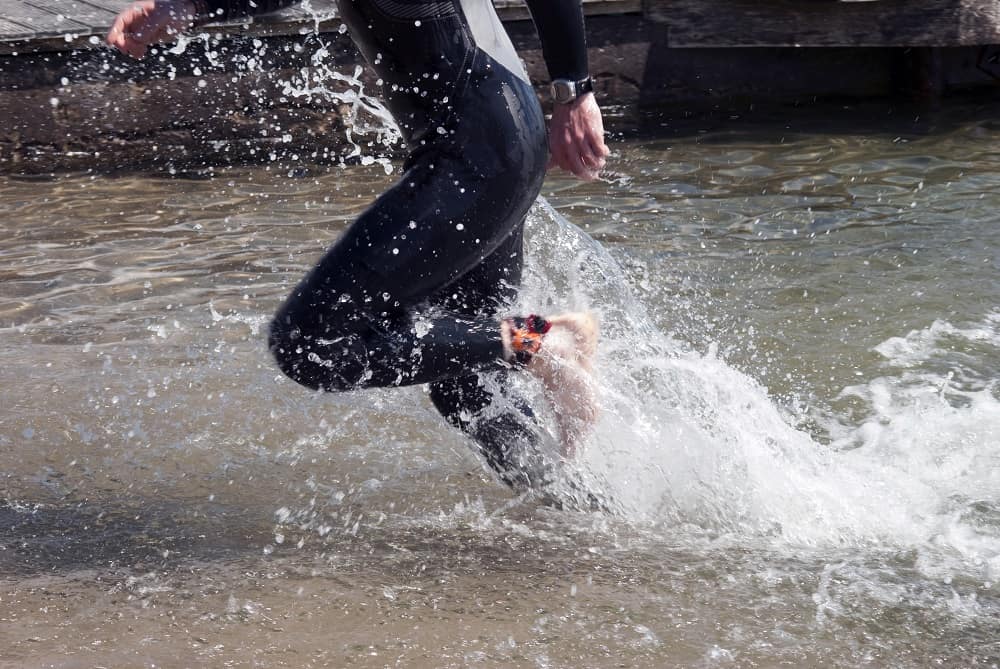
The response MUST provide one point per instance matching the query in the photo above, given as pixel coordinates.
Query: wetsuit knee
(285, 345)
(316, 363)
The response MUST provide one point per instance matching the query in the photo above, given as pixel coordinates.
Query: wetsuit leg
(411, 292)
(503, 428)
(361, 318)
(507, 438)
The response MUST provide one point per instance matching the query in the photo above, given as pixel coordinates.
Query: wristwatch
(565, 91)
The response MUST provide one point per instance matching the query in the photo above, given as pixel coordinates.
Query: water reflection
(159, 474)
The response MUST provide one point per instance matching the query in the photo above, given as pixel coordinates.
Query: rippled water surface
(800, 429)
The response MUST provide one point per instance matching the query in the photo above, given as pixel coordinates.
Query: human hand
(150, 21)
(576, 137)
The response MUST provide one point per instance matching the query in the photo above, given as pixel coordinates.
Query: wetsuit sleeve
(560, 30)
(221, 10)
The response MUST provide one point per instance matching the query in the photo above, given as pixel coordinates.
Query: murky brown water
(801, 423)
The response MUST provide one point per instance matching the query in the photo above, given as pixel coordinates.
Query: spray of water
(368, 126)
(366, 116)
(685, 440)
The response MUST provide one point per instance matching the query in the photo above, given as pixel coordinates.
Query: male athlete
(410, 294)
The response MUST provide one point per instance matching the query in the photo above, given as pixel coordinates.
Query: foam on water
(687, 441)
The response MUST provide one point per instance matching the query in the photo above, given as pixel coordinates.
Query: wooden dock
(35, 25)
(69, 102)
(31, 26)
(22, 21)
(828, 23)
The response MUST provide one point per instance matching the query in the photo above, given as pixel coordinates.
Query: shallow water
(799, 436)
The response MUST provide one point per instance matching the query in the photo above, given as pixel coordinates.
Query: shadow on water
(138, 534)
(735, 120)
(225, 567)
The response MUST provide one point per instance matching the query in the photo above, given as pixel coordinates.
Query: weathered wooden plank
(110, 6)
(751, 23)
(516, 10)
(9, 28)
(37, 18)
(55, 18)
(90, 13)
(508, 10)
(91, 18)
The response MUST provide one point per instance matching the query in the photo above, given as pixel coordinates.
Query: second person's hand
(148, 22)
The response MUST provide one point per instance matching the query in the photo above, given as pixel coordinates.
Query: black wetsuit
(412, 291)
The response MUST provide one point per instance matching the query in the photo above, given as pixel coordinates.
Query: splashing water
(368, 126)
(366, 116)
(156, 454)
(686, 440)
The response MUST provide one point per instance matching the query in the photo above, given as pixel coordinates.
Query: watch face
(563, 91)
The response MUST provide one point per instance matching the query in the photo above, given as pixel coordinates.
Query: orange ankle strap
(526, 336)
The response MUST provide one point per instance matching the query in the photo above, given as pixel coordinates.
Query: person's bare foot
(564, 365)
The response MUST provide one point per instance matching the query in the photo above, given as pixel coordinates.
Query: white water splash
(687, 441)
(367, 125)
(921, 345)
(365, 116)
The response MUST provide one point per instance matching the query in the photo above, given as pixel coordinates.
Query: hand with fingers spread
(576, 137)
(149, 22)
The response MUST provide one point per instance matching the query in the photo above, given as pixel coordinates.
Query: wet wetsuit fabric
(411, 292)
